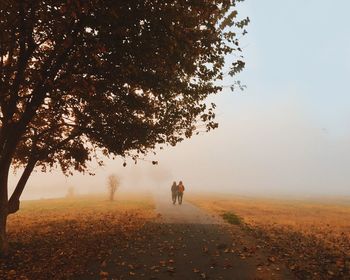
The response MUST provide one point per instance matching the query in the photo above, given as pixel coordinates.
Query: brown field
(66, 238)
(73, 238)
(312, 236)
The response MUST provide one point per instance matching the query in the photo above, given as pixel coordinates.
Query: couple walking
(177, 192)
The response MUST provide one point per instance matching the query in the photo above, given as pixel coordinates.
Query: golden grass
(311, 236)
(69, 238)
(326, 220)
(39, 212)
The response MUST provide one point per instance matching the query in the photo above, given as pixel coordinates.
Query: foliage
(81, 79)
(81, 76)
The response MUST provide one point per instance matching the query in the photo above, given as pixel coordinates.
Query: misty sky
(287, 133)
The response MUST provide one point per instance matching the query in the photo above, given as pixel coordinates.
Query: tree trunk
(13, 204)
(4, 170)
(4, 246)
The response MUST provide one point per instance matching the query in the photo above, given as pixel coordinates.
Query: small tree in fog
(70, 192)
(113, 185)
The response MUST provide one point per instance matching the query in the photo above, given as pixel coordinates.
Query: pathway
(186, 243)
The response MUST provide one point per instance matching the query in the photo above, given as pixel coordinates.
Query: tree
(113, 185)
(84, 78)
(70, 192)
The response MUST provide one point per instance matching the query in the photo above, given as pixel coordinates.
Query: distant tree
(79, 77)
(70, 192)
(113, 185)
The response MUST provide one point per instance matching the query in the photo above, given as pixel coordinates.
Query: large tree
(79, 78)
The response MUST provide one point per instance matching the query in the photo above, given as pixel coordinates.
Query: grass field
(71, 238)
(42, 211)
(312, 236)
(66, 238)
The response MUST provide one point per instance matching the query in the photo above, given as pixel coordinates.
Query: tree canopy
(78, 77)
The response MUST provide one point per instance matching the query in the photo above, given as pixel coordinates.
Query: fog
(258, 150)
(287, 134)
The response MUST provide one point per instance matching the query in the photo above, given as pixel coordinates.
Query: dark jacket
(174, 188)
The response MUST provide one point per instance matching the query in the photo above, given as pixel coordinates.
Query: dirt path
(182, 214)
(186, 243)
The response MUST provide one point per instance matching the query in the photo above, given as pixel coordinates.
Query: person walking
(174, 191)
(180, 192)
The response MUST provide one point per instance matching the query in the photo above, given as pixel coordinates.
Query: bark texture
(3, 211)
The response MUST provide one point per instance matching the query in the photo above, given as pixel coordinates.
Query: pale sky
(287, 133)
